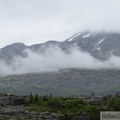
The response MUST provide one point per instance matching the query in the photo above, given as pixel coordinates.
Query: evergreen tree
(31, 98)
(36, 99)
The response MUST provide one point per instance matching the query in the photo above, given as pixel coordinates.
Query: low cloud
(55, 59)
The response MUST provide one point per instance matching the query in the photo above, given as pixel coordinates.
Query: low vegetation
(71, 106)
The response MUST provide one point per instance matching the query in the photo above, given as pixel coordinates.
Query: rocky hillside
(64, 83)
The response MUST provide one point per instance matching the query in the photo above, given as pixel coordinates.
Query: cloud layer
(55, 59)
(36, 21)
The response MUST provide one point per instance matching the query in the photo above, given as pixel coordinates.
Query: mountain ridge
(100, 45)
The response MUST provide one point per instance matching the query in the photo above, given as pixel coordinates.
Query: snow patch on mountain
(101, 41)
(87, 35)
(74, 36)
(75, 44)
(96, 47)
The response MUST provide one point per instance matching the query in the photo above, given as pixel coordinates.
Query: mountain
(64, 83)
(10, 51)
(100, 45)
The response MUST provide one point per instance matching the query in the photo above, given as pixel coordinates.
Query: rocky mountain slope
(99, 45)
(64, 83)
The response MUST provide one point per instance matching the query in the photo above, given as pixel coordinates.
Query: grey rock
(80, 118)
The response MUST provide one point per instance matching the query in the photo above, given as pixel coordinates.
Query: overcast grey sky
(36, 21)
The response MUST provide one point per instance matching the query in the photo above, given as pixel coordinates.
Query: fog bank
(55, 59)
